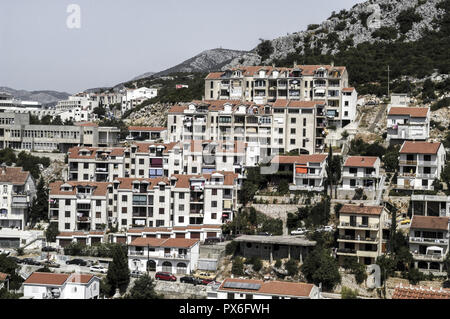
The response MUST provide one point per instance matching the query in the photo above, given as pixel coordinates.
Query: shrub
(238, 267)
(278, 263)
(414, 276)
(264, 49)
(348, 293)
(230, 248)
(257, 264)
(341, 26)
(406, 19)
(292, 267)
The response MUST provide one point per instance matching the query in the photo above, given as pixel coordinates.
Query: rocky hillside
(44, 97)
(370, 21)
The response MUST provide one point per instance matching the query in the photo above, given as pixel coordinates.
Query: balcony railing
(403, 162)
(346, 251)
(428, 240)
(358, 225)
(435, 257)
(356, 238)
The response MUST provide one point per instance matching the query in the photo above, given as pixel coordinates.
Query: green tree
(414, 276)
(257, 263)
(51, 232)
(237, 268)
(10, 267)
(264, 49)
(231, 247)
(144, 288)
(292, 267)
(283, 187)
(118, 275)
(321, 267)
(39, 206)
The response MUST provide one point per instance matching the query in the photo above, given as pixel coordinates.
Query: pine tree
(39, 206)
(144, 288)
(118, 272)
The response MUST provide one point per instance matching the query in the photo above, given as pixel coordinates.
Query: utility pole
(389, 73)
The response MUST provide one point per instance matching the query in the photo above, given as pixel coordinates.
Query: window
(304, 122)
(85, 176)
(141, 172)
(292, 141)
(98, 215)
(304, 132)
(98, 202)
(124, 222)
(67, 225)
(181, 208)
(280, 130)
(214, 191)
(292, 130)
(124, 210)
(304, 143)
(424, 182)
(346, 103)
(181, 219)
(161, 199)
(214, 216)
(181, 195)
(427, 158)
(124, 198)
(194, 170)
(214, 203)
(67, 214)
(293, 120)
(86, 165)
(161, 211)
(67, 202)
(141, 161)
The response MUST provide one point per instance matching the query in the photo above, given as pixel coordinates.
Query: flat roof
(280, 240)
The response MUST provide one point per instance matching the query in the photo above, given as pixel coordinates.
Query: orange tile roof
(87, 124)
(361, 209)
(430, 222)
(112, 151)
(81, 278)
(127, 182)
(418, 292)
(80, 234)
(100, 188)
(45, 278)
(361, 161)
(14, 175)
(178, 109)
(3, 276)
(411, 111)
(164, 242)
(348, 89)
(420, 148)
(300, 159)
(281, 288)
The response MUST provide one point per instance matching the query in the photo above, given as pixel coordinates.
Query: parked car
(76, 261)
(190, 280)
(31, 261)
(167, 276)
(98, 268)
(4, 252)
(49, 248)
(299, 231)
(406, 221)
(264, 234)
(136, 273)
(325, 229)
(51, 264)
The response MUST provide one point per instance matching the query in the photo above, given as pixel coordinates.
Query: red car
(165, 276)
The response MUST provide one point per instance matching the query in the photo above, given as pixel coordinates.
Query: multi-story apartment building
(133, 97)
(208, 199)
(267, 129)
(81, 101)
(361, 232)
(17, 133)
(308, 171)
(80, 206)
(429, 242)
(420, 164)
(361, 172)
(147, 133)
(408, 123)
(233, 288)
(430, 205)
(173, 255)
(17, 189)
(266, 84)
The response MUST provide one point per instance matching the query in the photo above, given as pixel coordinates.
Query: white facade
(408, 123)
(361, 172)
(133, 97)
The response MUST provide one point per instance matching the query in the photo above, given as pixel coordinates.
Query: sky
(42, 48)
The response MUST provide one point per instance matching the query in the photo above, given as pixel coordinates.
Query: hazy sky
(121, 39)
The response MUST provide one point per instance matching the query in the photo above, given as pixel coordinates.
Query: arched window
(151, 265)
(181, 268)
(167, 266)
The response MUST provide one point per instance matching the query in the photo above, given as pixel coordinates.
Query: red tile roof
(178, 109)
(277, 288)
(418, 292)
(100, 188)
(420, 148)
(411, 111)
(429, 222)
(164, 242)
(14, 175)
(361, 161)
(361, 209)
(348, 89)
(127, 182)
(81, 278)
(146, 128)
(45, 278)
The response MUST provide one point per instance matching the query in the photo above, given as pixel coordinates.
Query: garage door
(180, 235)
(165, 236)
(65, 242)
(121, 240)
(211, 235)
(195, 235)
(9, 242)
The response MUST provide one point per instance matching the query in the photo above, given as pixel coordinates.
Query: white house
(349, 101)
(408, 123)
(258, 289)
(61, 286)
(361, 172)
(133, 97)
(173, 255)
(420, 164)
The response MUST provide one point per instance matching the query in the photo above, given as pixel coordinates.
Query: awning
(320, 91)
(435, 248)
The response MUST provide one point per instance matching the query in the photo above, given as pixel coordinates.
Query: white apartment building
(267, 129)
(17, 133)
(266, 84)
(361, 172)
(429, 242)
(173, 255)
(61, 286)
(134, 97)
(233, 288)
(17, 189)
(420, 164)
(399, 99)
(80, 101)
(308, 171)
(361, 232)
(408, 123)
(207, 199)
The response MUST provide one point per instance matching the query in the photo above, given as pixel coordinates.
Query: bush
(406, 19)
(348, 293)
(257, 264)
(385, 33)
(230, 248)
(414, 276)
(237, 268)
(264, 49)
(445, 102)
(278, 263)
(292, 267)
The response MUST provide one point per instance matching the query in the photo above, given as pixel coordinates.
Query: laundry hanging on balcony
(301, 169)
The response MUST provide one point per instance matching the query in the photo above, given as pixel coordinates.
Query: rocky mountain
(209, 60)
(44, 97)
(143, 76)
(370, 21)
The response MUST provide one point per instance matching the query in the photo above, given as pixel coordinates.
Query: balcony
(412, 163)
(20, 201)
(358, 225)
(433, 241)
(83, 219)
(429, 257)
(177, 256)
(136, 253)
(346, 252)
(358, 239)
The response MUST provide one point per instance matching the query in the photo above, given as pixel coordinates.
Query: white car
(299, 231)
(4, 252)
(325, 229)
(98, 268)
